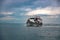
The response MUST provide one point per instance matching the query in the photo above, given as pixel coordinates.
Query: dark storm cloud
(7, 5)
(58, 1)
(12, 9)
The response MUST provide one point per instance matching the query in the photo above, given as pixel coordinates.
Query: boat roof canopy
(32, 18)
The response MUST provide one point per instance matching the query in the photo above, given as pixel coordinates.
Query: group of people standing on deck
(37, 19)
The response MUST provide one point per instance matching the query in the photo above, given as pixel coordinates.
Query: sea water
(19, 31)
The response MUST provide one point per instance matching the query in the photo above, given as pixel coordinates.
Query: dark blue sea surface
(19, 31)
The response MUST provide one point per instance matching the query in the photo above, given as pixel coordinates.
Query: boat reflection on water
(36, 21)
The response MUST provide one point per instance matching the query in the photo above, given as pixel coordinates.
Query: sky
(18, 11)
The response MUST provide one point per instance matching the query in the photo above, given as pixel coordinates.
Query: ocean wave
(51, 24)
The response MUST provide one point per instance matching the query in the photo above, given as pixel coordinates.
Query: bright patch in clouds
(23, 9)
(7, 13)
(46, 10)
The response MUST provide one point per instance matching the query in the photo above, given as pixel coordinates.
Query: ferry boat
(34, 21)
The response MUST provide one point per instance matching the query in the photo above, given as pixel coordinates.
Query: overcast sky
(17, 11)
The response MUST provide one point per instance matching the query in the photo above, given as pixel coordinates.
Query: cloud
(47, 10)
(52, 16)
(22, 10)
(25, 9)
(44, 3)
(58, 1)
(9, 4)
(13, 1)
(28, 9)
(38, 2)
(7, 18)
(7, 13)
